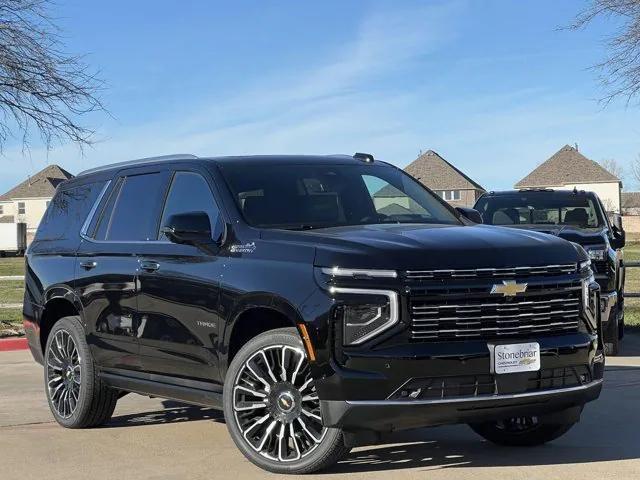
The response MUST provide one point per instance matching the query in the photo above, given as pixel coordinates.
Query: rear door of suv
(107, 263)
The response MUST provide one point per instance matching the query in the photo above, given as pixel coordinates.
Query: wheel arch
(255, 315)
(60, 302)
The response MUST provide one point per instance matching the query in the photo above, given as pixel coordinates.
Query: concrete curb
(10, 344)
(11, 277)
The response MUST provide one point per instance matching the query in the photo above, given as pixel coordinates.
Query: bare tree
(612, 166)
(635, 169)
(43, 90)
(620, 71)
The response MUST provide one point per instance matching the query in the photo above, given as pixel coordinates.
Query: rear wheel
(520, 431)
(76, 395)
(272, 408)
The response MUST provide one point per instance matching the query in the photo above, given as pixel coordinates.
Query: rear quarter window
(68, 211)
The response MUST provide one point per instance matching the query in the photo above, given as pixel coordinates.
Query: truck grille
(450, 313)
(546, 270)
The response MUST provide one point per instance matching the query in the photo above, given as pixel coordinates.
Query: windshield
(319, 196)
(542, 208)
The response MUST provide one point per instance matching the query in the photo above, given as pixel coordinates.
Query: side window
(68, 211)
(105, 215)
(22, 209)
(135, 209)
(190, 192)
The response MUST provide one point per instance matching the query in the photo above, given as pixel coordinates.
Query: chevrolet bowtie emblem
(509, 288)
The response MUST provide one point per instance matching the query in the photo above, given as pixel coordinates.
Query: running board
(153, 388)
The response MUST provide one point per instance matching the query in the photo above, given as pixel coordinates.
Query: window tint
(68, 211)
(540, 208)
(136, 211)
(190, 193)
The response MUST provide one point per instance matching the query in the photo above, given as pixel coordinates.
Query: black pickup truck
(579, 217)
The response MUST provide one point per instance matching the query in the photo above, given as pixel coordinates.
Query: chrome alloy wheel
(63, 373)
(276, 406)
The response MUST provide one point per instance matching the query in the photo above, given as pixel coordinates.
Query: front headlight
(588, 302)
(365, 313)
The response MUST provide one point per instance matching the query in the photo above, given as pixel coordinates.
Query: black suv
(579, 217)
(319, 301)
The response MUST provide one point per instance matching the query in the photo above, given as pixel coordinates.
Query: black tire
(520, 432)
(95, 401)
(322, 452)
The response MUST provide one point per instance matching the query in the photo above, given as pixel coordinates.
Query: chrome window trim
(92, 212)
(394, 309)
(487, 398)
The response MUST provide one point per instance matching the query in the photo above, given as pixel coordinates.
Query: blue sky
(494, 86)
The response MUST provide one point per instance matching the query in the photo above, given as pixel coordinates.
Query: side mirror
(470, 214)
(619, 235)
(192, 228)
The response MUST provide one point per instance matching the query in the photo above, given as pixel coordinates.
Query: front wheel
(272, 409)
(520, 431)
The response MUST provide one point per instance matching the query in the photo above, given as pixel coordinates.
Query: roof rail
(140, 161)
(536, 189)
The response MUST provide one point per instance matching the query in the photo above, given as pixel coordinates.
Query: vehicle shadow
(609, 431)
(174, 412)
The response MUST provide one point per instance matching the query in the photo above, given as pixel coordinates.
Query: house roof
(436, 173)
(42, 184)
(567, 166)
(6, 219)
(388, 191)
(630, 199)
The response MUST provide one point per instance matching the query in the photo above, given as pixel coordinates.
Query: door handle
(149, 266)
(88, 265)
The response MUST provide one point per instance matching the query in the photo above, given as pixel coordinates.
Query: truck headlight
(366, 313)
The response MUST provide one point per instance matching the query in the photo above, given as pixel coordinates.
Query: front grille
(486, 385)
(448, 313)
(546, 270)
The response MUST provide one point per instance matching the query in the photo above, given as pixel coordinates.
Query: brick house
(433, 171)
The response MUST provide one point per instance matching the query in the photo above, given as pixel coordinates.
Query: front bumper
(424, 384)
(391, 415)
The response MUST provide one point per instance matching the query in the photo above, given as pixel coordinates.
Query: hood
(413, 247)
(581, 236)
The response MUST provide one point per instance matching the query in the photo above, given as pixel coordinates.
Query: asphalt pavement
(159, 439)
